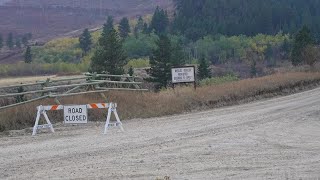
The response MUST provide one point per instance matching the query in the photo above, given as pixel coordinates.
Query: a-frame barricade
(42, 110)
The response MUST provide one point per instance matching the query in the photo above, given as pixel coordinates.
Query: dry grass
(169, 102)
(32, 79)
(24, 80)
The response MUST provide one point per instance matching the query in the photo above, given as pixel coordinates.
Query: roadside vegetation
(219, 92)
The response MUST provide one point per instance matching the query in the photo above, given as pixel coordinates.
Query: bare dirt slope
(274, 139)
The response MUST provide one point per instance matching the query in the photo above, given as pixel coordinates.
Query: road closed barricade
(76, 114)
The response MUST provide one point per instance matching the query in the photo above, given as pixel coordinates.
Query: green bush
(140, 46)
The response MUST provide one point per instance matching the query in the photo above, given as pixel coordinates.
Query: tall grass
(168, 102)
(218, 80)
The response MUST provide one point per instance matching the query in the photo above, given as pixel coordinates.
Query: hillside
(47, 19)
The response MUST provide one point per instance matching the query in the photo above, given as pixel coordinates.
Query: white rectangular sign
(75, 114)
(183, 74)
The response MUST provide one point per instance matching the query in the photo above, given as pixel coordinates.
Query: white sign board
(76, 114)
(183, 75)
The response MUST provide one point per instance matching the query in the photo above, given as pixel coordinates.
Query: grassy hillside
(46, 19)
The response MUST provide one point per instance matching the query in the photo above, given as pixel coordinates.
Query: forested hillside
(232, 38)
(249, 17)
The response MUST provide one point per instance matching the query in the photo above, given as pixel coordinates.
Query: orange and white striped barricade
(112, 108)
(42, 110)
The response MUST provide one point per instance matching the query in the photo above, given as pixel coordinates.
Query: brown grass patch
(169, 102)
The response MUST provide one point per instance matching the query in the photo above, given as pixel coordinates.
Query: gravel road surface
(271, 139)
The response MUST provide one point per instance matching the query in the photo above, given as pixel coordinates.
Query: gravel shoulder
(271, 139)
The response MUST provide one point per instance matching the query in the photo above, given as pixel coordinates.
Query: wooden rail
(24, 102)
(24, 93)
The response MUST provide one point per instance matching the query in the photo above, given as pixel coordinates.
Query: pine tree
(286, 47)
(107, 27)
(85, 41)
(25, 38)
(160, 71)
(9, 42)
(28, 55)
(139, 26)
(1, 41)
(109, 57)
(145, 29)
(160, 21)
(203, 69)
(301, 41)
(269, 56)
(178, 56)
(124, 28)
(18, 43)
(130, 71)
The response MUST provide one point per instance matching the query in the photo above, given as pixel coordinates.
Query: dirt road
(273, 139)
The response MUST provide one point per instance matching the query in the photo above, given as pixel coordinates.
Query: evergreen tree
(124, 28)
(301, 41)
(107, 27)
(160, 21)
(178, 56)
(139, 26)
(198, 18)
(18, 43)
(28, 55)
(130, 71)
(286, 48)
(160, 71)
(10, 42)
(203, 69)
(269, 56)
(109, 57)
(1, 41)
(145, 29)
(85, 41)
(25, 38)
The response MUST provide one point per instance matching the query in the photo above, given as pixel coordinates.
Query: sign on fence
(76, 114)
(183, 74)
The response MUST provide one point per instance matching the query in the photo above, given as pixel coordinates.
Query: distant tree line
(15, 41)
(198, 18)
